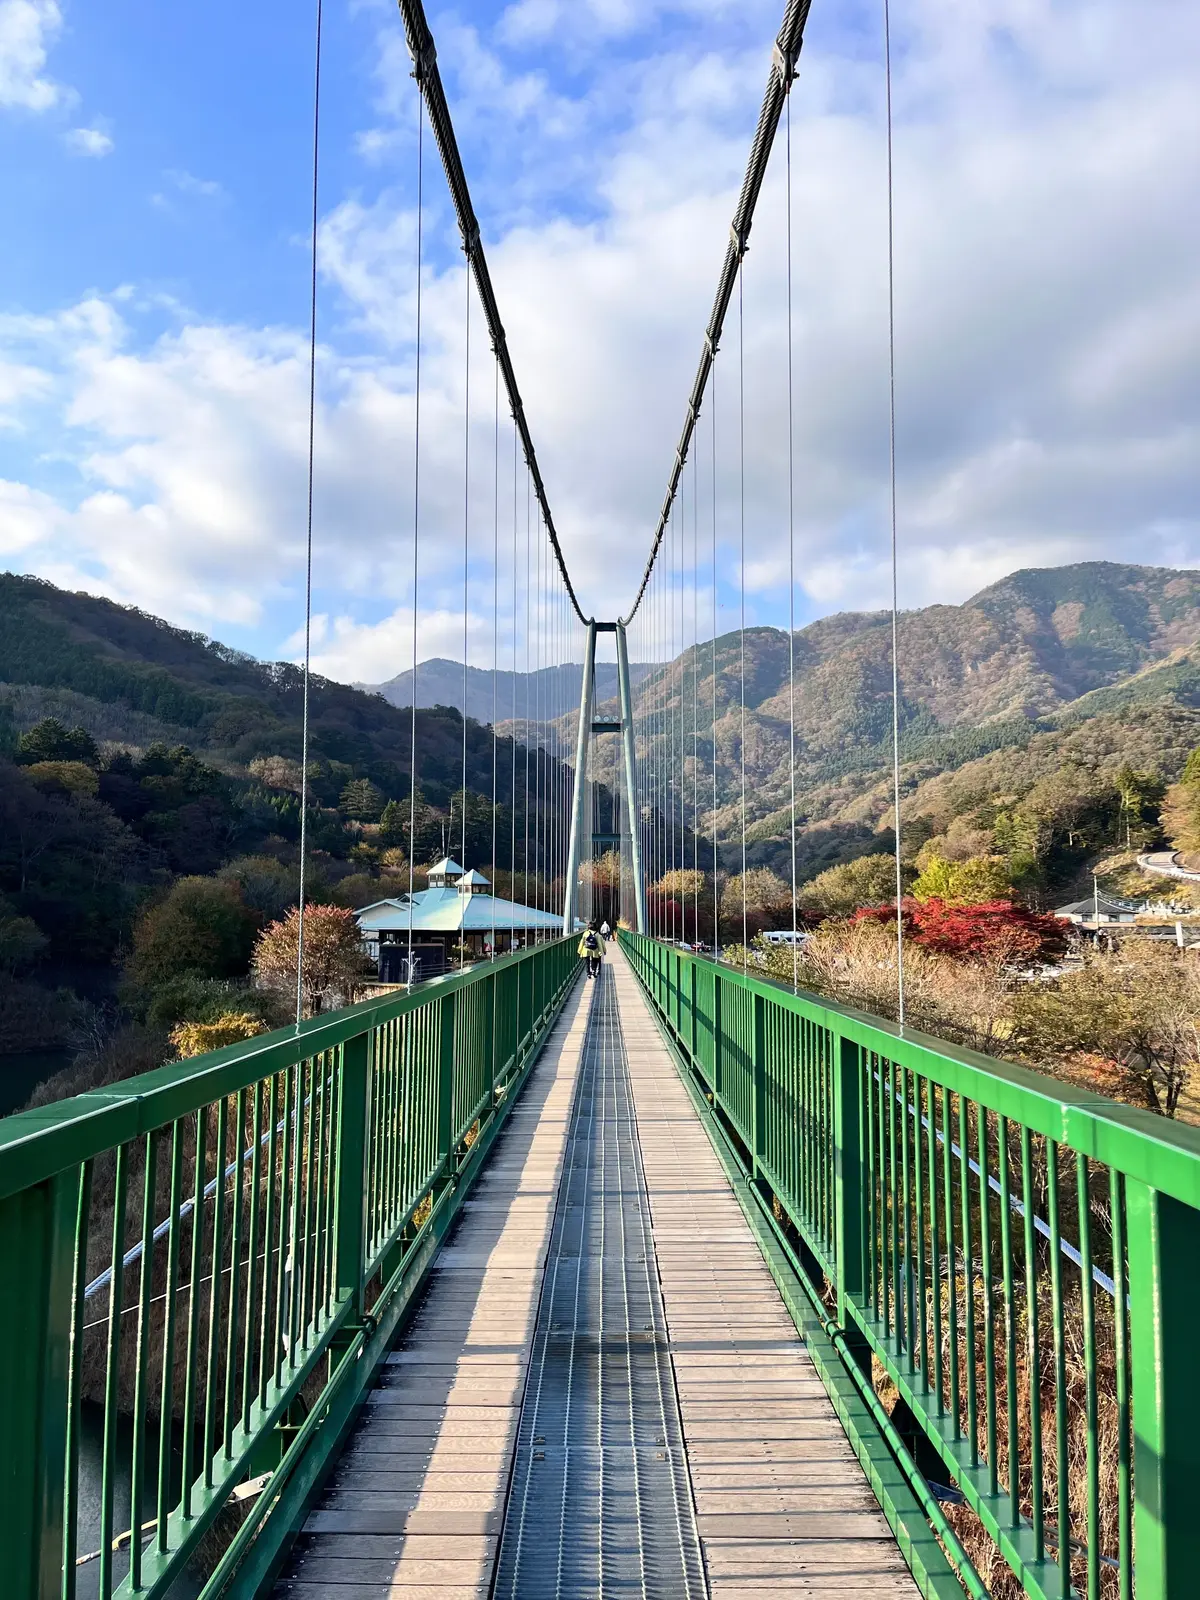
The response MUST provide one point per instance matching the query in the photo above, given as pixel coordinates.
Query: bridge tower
(587, 727)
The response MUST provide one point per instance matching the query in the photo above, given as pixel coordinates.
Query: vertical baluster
(1010, 1324)
(1061, 1436)
(191, 1361)
(1088, 1289)
(253, 1250)
(272, 1259)
(873, 1184)
(308, 1234)
(910, 1330)
(887, 1210)
(228, 1407)
(291, 1267)
(897, 1281)
(989, 1310)
(964, 1189)
(951, 1261)
(935, 1246)
(214, 1294)
(83, 1208)
(162, 1502)
(1034, 1347)
(112, 1379)
(1116, 1200)
(137, 1464)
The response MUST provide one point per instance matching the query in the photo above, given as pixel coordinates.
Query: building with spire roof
(457, 915)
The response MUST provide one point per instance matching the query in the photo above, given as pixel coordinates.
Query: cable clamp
(424, 59)
(784, 62)
(471, 244)
(737, 239)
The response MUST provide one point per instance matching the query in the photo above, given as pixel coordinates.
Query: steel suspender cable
(412, 781)
(891, 270)
(425, 71)
(779, 82)
(308, 545)
(791, 547)
(512, 854)
(716, 891)
(495, 628)
(528, 537)
(742, 578)
(695, 696)
(462, 954)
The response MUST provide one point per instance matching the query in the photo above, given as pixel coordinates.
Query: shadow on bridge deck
(675, 1439)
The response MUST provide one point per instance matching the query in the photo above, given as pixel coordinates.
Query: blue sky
(153, 303)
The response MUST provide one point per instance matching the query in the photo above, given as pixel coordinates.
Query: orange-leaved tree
(334, 962)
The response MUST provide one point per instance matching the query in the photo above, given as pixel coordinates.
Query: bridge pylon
(588, 728)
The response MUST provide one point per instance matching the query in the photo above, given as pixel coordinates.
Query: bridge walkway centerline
(604, 1249)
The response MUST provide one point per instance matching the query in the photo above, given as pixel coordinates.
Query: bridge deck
(675, 1438)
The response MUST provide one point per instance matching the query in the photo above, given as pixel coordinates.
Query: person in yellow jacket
(591, 950)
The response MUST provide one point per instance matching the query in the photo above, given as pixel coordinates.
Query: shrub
(970, 882)
(197, 1038)
(841, 890)
(201, 926)
(190, 998)
(63, 777)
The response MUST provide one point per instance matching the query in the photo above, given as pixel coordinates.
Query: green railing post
(758, 1065)
(850, 1206)
(718, 1039)
(1164, 1314)
(351, 1199)
(37, 1229)
(693, 980)
(445, 1090)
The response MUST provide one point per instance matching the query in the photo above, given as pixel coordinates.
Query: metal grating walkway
(601, 1502)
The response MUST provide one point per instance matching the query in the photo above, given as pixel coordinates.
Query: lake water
(21, 1073)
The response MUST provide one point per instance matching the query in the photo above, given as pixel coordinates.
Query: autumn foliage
(334, 962)
(989, 931)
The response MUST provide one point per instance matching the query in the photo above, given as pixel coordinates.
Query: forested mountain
(146, 769)
(1089, 665)
(503, 696)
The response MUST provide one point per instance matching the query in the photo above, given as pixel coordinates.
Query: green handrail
(201, 1268)
(1012, 1263)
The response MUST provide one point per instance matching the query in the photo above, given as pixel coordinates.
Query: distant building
(1083, 913)
(458, 908)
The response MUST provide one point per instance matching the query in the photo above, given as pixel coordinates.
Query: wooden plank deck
(416, 1505)
(781, 1502)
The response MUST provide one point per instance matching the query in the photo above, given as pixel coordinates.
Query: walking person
(591, 950)
(605, 931)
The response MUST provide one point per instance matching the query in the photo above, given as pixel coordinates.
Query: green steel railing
(1007, 1267)
(200, 1269)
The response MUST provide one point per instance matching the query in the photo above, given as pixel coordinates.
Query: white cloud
(27, 29)
(1048, 309)
(90, 142)
(26, 517)
(188, 183)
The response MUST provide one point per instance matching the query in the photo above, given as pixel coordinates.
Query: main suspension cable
(425, 71)
(779, 82)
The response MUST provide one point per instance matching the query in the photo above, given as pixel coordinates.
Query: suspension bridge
(674, 1282)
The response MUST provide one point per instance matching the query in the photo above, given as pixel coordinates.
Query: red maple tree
(990, 930)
